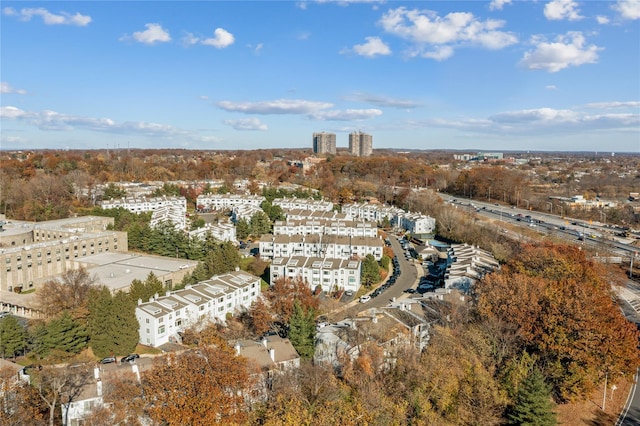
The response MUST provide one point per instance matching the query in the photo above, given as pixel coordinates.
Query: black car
(130, 358)
(410, 290)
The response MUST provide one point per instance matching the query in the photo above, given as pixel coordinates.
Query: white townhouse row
(372, 212)
(175, 215)
(245, 212)
(206, 202)
(415, 223)
(303, 204)
(223, 231)
(301, 214)
(349, 228)
(145, 204)
(163, 317)
(331, 246)
(330, 274)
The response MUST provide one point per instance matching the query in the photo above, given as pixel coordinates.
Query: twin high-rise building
(324, 143)
(360, 144)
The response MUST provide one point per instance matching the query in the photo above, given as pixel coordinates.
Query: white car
(365, 299)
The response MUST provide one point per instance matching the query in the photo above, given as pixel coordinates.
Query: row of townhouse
(208, 202)
(349, 228)
(331, 246)
(244, 212)
(301, 214)
(223, 231)
(162, 318)
(172, 214)
(35, 252)
(372, 212)
(330, 274)
(303, 204)
(145, 204)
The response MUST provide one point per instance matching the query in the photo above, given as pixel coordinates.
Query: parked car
(130, 358)
(348, 293)
(4, 314)
(365, 299)
(108, 360)
(410, 290)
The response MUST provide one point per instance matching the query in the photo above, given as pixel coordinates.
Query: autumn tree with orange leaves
(566, 317)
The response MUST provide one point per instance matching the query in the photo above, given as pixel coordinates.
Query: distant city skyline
(501, 75)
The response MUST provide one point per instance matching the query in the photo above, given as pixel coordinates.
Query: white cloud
(444, 34)
(153, 34)
(558, 10)
(372, 48)
(602, 20)
(257, 48)
(382, 101)
(189, 39)
(345, 115)
(247, 124)
(551, 87)
(498, 4)
(568, 50)
(310, 109)
(63, 18)
(279, 106)
(613, 105)
(628, 9)
(221, 39)
(6, 88)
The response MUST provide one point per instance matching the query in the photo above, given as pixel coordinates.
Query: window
(161, 329)
(161, 319)
(202, 307)
(147, 321)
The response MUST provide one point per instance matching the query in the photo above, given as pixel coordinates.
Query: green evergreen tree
(370, 271)
(302, 330)
(125, 332)
(242, 229)
(259, 224)
(63, 335)
(533, 406)
(113, 328)
(13, 337)
(145, 289)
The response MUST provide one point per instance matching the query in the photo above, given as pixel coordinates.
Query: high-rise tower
(360, 144)
(324, 143)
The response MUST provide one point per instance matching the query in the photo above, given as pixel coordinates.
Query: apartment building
(419, 225)
(301, 214)
(171, 214)
(223, 231)
(33, 252)
(209, 202)
(328, 273)
(331, 246)
(348, 228)
(245, 212)
(308, 204)
(371, 212)
(324, 143)
(145, 204)
(360, 144)
(162, 318)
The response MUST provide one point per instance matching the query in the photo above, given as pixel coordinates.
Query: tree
(113, 328)
(261, 318)
(242, 229)
(200, 387)
(63, 335)
(534, 406)
(68, 293)
(113, 191)
(143, 290)
(259, 224)
(282, 294)
(20, 404)
(13, 337)
(370, 271)
(302, 330)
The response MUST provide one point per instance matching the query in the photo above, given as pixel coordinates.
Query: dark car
(410, 290)
(108, 360)
(130, 358)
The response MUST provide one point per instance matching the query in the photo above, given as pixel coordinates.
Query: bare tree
(68, 293)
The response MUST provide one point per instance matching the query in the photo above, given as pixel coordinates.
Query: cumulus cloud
(52, 120)
(153, 34)
(62, 18)
(373, 47)
(628, 9)
(558, 10)
(498, 4)
(567, 50)
(437, 37)
(311, 109)
(221, 39)
(602, 20)
(7, 88)
(382, 101)
(246, 124)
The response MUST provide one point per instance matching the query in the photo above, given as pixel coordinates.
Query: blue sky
(559, 75)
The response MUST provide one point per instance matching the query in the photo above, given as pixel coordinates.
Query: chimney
(136, 371)
(99, 387)
(264, 341)
(139, 302)
(96, 373)
(272, 354)
(238, 347)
